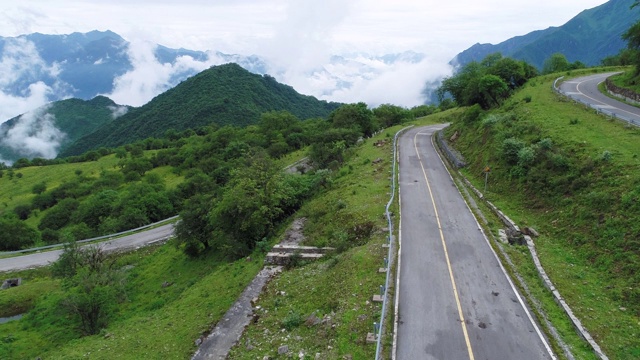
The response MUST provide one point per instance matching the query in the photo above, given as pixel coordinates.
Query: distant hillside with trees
(221, 95)
(589, 37)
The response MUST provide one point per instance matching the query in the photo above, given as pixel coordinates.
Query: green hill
(589, 37)
(222, 95)
(44, 131)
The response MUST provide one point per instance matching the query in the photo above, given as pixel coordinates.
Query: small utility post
(486, 171)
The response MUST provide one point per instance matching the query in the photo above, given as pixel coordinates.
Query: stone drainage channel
(226, 333)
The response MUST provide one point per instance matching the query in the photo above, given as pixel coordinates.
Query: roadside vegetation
(571, 174)
(158, 300)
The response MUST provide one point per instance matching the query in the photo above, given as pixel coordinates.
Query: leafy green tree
(389, 115)
(493, 90)
(60, 215)
(555, 63)
(22, 211)
(511, 71)
(93, 288)
(16, 235)
(354, 116)
(252, 203)
(39, 188)
(96, 208)
(194, 231)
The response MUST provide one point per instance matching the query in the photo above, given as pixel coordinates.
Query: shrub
(510, 149)
(526, 156)
(292, 320)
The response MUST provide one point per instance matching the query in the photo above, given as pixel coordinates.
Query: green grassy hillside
(572, 175)
(222, 95)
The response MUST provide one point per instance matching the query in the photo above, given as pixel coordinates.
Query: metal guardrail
(597, 108)
(390, 256)
(91, 239)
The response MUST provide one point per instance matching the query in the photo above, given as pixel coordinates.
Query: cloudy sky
(298, 37)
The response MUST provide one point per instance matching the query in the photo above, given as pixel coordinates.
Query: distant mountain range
(589, 37)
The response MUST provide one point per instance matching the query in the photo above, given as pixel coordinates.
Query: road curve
(454, 298)
(585, 89)
(126, 242)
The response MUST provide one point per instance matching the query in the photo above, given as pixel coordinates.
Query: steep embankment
(571, 174)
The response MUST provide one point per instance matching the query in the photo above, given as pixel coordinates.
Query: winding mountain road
(132, 241)
(455, 300)
(585, 89)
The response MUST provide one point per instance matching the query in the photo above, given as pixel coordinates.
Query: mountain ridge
(223, 95)
(588, 37)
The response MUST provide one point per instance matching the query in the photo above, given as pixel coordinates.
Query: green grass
(154, 322)
(18, 191)
(581, 244)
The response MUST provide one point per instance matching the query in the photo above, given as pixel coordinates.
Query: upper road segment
(585, 90)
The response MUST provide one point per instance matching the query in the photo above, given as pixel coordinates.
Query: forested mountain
(44, 131)
(589, 37)
(222, 95)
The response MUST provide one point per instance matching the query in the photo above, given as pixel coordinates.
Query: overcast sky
(296, 38)
(253, 26)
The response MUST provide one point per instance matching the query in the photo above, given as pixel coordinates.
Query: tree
(93, 288)
(354, 116)
(632, 37)
(60, 215)
(252, 203)
(493, 90)
(194, 231)
(389, 115)
(16, 235)
(555, 63)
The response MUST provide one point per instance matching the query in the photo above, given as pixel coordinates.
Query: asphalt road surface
(585, 89)
(126, 242)
(455, 300)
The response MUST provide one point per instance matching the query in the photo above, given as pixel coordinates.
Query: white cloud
(22, 64)
(35, 135)
(117, 111)
(149, 77)
(36, 95)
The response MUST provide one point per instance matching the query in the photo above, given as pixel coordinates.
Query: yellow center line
(446, 255)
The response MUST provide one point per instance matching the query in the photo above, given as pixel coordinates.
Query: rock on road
(455, 300)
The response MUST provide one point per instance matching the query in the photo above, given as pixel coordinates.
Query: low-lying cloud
(35, 135)
(149, 77)
(23, 73)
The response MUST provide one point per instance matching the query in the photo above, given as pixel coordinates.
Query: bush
(292, 320)
(526, 156)
(510, 149)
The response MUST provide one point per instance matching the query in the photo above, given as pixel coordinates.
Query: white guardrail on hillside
(92, 239)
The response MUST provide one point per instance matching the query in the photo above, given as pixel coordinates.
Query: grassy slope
(18, 191)
(155, 321)
(588, 280)
(339, 287)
